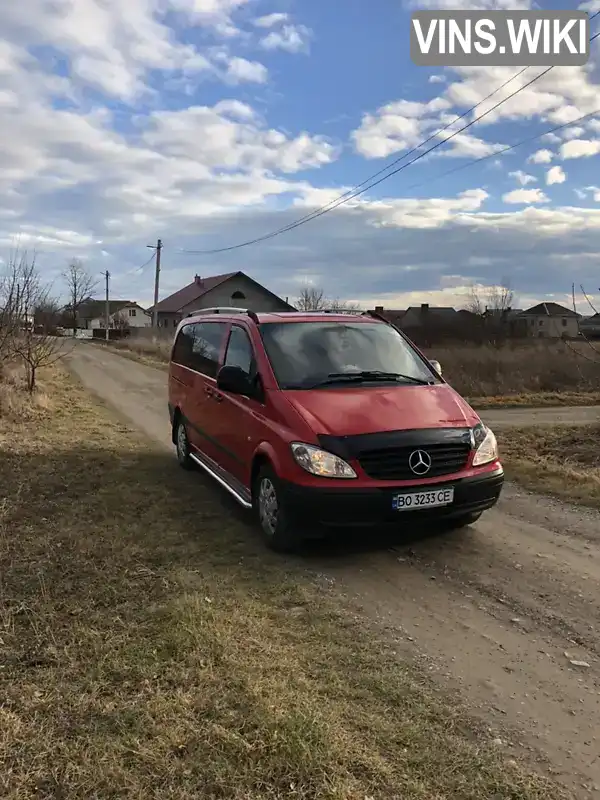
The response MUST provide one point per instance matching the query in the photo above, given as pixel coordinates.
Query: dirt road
(506, 613)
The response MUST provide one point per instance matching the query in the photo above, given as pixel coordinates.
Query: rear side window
(208, 338)
(198, 346)
(239, 350)
(182, 351)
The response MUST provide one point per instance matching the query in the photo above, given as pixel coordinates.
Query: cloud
(580, 148)
(518, 196)
(587, 192)
(522, 177)
(471, 5)
(437, 79)
(240, 70)
(270, 20)
(541, 157)
(555, 175)
(115, 47)
(211, 139)
(292, 38)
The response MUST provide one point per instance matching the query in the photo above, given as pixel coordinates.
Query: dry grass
(540, 400)
(149, 648)
(145, 350)
(522, 374)
(555, 460)
(15, 403)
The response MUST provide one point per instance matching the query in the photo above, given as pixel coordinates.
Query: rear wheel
(464, 521)
(278, 529)
(182, 444)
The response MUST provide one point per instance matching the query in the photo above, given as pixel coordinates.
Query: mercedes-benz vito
(331, 419)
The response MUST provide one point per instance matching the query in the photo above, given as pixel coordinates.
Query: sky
(211, 122)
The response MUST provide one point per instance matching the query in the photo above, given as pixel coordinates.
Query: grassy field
(151, 648)
(526, 375)
(540, 373)
(563, 461)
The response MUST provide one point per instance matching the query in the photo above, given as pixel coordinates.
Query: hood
(354, 410)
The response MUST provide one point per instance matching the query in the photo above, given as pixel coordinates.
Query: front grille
(391, 463)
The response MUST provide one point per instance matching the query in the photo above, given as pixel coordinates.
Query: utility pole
(158, 248)
(107, 309)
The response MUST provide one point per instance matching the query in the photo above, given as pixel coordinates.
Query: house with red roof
(231, 289)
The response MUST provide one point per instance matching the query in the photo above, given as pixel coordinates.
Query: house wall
(546, 327)
(141, 319)
(168, 320)
(254, 298)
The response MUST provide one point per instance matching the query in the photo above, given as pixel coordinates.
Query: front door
(207, 345)
(239, 420)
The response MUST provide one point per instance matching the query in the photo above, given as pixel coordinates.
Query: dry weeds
(149, 648)
(524, 371)
(15, 403)
(558, 460)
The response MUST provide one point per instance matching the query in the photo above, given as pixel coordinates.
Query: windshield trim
(283, 386)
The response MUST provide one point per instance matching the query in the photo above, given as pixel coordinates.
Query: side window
(182, 351)
(208, 337)
(239, 350)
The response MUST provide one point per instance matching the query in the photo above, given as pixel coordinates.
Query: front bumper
(349, 507)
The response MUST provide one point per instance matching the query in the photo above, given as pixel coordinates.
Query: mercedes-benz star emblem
(420, 462)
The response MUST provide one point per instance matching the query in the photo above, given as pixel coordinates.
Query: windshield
(306, 354)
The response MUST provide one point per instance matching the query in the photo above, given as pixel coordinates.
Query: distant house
(429, 316)
(122, 313)
(394, 315)
(129, 315)
(420, 316)
(234, 289)
(551, 321)
(590, 326)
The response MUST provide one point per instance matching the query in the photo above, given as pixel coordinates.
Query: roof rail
(377, 315)
(224, 310)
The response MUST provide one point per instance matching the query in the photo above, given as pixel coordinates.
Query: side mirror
(437, 366)
(233, 379)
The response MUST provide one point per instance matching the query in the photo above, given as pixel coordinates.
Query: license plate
(416, 500)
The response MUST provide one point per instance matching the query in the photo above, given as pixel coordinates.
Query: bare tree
(121, 322)
(313, 298)
(25, 293)
(593, 347)
(14, 289)
(80, 286)
(46, 315)
(344, 306)
(495, 300)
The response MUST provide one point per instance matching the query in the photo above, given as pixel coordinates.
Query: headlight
(485, 445)
(320, 462)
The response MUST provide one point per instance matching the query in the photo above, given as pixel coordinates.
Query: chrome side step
(210, 470)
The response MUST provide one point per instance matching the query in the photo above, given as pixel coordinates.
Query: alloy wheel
(182, 442)
(268, 507)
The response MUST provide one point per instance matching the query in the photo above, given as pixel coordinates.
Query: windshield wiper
(365, 377)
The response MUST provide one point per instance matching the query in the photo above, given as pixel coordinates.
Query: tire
(464, 521)
(182, 446)
(278, 530)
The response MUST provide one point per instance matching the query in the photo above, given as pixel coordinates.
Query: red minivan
(316, 419)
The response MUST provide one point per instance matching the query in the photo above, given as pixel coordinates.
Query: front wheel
(279, 531)
(182, 444)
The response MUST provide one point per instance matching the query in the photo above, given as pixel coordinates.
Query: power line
(415, 148)
(505, 149)
(351, 194)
